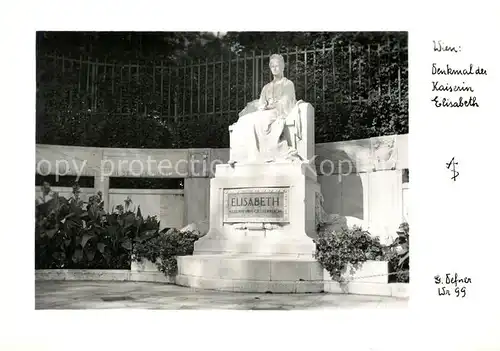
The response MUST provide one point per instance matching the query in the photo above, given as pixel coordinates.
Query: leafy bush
(336, 250)
(164, 248)
(71, 234)
(398, 255)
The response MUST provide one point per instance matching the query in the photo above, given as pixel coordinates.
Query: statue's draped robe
(258, 135)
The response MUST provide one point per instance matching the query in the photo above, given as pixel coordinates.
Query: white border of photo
(453, 223)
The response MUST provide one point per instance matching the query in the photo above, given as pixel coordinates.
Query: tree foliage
(183, 89)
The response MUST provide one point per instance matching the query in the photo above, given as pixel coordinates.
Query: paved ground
(130, 295)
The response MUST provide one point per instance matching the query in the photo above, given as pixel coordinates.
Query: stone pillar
(197, 187)
(385, 203)
(196, 199)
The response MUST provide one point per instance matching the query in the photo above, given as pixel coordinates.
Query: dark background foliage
(183, 89)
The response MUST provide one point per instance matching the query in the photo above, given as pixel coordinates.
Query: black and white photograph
(236, 176)
(222, 170)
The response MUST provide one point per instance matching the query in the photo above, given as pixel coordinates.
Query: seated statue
(270, 129)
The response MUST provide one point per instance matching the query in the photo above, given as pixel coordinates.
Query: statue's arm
(255, 105)
(262, 100)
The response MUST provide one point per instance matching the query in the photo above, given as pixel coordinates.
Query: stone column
(196, 199)
(197, 187)
(385, 203)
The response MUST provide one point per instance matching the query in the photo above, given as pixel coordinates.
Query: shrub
(71, 234)
(335, 251)
(164, 249)
(398, 255)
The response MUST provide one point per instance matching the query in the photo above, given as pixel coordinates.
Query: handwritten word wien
(440, 46)
(454, 282)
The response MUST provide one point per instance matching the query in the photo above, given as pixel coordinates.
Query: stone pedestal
(288, 231)
(262, 226)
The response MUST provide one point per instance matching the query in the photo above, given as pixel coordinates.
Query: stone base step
(250, 286)
(258, 274)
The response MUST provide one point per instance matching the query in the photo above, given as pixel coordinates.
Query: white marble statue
(258, 135)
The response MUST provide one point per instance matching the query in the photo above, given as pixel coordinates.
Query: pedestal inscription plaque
(269, 205)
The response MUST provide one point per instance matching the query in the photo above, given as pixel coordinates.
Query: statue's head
(276, 64)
